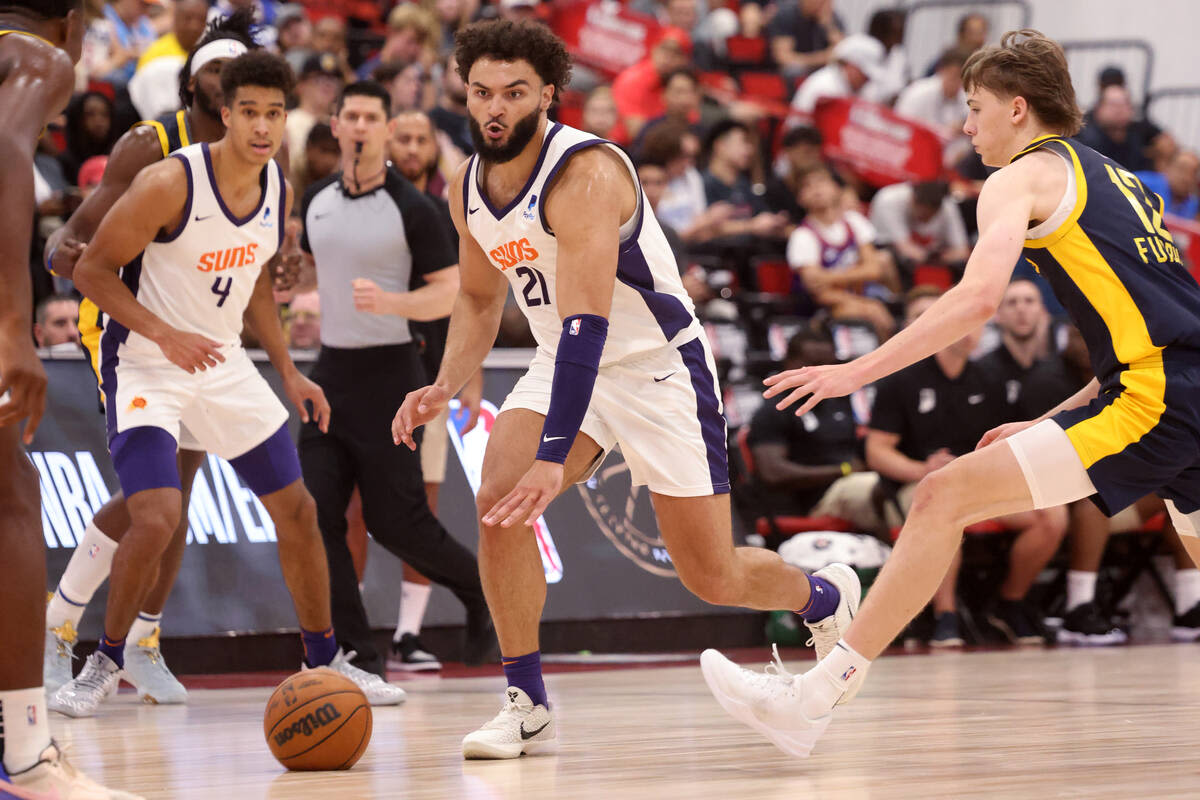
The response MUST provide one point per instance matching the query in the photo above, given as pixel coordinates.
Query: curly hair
(256, 68)
(238, 26)
(1029, 65)
(41, 9)
(504, 40)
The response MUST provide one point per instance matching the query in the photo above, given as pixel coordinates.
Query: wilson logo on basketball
(308, 723)
(231, 258)
(513, 253)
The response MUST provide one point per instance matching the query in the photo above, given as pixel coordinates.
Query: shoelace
(93, 675)
(824, 633)
(774, 678)
(355, 673)
(500, 721)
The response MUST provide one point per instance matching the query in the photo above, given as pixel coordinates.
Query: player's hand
(23, 377)
(1003, 432)
(66, 255)
(369, 297)
(540, 484)
(819, 383)
(300, 389)
(285, 270)
(190, 351)
(419, 408)
(471, 398)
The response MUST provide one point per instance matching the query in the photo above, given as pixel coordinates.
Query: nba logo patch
(93, 550)
(574, 330)
(849, 673)
(529, 209)
(31, 715)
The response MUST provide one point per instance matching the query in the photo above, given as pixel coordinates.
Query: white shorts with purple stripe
(663, 409)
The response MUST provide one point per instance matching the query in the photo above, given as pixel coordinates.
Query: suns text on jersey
(230, 258)
(512, 253)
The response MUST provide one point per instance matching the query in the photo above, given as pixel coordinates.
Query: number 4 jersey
(199, 277)
(650, 307)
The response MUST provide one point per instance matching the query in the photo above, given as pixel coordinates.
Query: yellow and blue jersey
(1115, 268)
(173, 135)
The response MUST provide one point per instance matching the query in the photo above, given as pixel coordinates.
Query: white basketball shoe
(520, 727)
(53, 777)
(96, 683)
(770, 701)
(59, 652)
(378, 691)
(826, 632)
(146, 669)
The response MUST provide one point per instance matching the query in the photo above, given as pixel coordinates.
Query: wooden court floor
(1059, 723)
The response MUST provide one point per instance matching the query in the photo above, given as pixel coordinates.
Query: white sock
(24, 733)
(1081, 588)
(142, 627)
(1187, 590)
(414, 597)
(825, 683)
(88, 568)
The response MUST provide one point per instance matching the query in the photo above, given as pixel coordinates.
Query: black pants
(365, 388)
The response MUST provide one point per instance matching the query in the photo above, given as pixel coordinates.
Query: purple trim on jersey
(162, 238)
(633, 271)
(562, 162)
(144, 458)
(111, 339)
(502, 213)
(708, 412)
(212, 181)
(271, 465)
(282, 203)
(822, 245)
(467, 179)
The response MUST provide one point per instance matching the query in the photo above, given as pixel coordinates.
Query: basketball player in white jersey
(621, 360)
(204, 222)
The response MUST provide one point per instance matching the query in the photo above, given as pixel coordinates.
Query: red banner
(1186, 233)
(878, 145)
(603, 34)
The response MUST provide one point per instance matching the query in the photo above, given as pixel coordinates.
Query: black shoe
(1084, 624)
(480, 646)
(945, 631)
(1186, 627)
(1016, 622)
(410, 654)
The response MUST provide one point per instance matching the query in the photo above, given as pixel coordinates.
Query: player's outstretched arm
(154, 202)
(262, 315)
(1005, 208)
(29, 97)
(133, 152)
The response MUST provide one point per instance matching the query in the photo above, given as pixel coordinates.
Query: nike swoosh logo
(201, 219)
(525, 735)
(552, 438)
(664, 377)
(472, 210)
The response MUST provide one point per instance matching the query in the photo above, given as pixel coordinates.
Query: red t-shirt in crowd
(637, 91)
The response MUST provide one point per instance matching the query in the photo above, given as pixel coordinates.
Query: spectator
(404, 83)
(450, 113)
(939, 100)
(923, 417)
(321, 157)
(730, 149)
(116, 40)
(920, 224)
(653, 177)
(412, 33)
(304, 321)
(518, 10)
(90, 175)
(971, 34)
(318, 88)
(1178, 185)
(1114, 130)
(600, 115)
(681, 104)
(801, 36)
(813, 465)
(638, 89)
(800, 149)
(682, 205)
(56, 322)
(90, 131)
(451, 15)
(295, 35)
(887, 26)
(154, 88)
(834, 256)
(856, 60)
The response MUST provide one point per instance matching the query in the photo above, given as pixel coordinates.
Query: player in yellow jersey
(1096, 234)
(40, 40)
(146, 143)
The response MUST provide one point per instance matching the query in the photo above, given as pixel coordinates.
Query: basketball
(317, 720)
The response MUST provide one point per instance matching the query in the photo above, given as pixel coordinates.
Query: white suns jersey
(650, 307)
(199, 277)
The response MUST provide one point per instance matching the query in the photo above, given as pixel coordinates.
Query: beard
(521, 134)
(206, 103)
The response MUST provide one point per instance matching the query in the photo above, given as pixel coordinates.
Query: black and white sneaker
(409, 654)
(1186, 627)
(1016, 622)
(1084, 624)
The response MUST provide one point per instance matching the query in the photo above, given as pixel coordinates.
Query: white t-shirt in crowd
(682, 201)
(923, 101)
(804, 248)
(828, 81)
(891, 214)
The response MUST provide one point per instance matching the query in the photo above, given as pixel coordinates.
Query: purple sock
(822, 601)
(114, 649)
(525, 673)
(319, 647)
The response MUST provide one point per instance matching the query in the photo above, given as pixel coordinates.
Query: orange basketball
(317, 719)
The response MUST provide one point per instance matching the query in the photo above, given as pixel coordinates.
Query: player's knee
(157, 520)
(490, 493)
(300, 514)
(937, 494)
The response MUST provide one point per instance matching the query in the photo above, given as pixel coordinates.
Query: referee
(367, 221)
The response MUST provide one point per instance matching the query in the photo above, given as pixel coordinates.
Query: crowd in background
(789, 257)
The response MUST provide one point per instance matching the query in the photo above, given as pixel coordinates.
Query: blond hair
(1029, 65)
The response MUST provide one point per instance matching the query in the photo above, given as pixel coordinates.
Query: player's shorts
(228, 409)
(1117, 449)
(663, 410)
(434, 444)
